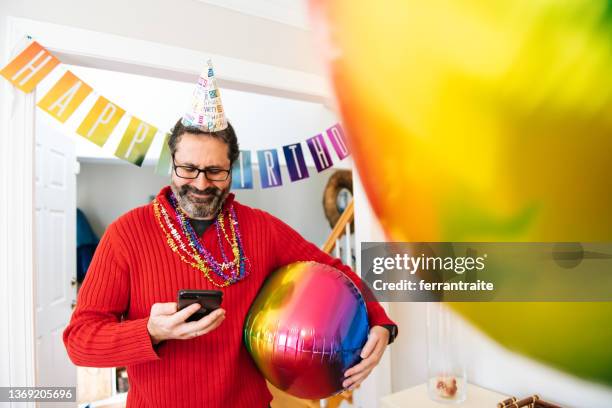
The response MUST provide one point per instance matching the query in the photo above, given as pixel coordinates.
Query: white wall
(107, 190)
(183, 23)
(367, 228)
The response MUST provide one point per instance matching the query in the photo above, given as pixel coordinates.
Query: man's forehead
(201, 149)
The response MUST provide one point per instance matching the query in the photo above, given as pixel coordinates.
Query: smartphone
(209, 300)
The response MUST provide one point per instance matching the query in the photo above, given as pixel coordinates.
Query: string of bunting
(35, 63)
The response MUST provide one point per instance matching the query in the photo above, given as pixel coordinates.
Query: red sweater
(133, 268)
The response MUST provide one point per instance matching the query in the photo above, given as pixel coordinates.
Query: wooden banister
(345, 218)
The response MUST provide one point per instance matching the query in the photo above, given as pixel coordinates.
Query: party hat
(206, 111)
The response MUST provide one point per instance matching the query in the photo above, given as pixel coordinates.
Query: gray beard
(199, 209)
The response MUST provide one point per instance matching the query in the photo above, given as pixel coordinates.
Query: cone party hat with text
(206, 111)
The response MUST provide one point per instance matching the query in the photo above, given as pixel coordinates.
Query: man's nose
(201, 182)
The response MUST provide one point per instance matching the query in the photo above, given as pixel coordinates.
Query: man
(193, 236)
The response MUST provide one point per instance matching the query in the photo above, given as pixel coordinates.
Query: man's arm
(292, 247)
(95, 336)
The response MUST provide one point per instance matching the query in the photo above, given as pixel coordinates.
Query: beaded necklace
(186, 244)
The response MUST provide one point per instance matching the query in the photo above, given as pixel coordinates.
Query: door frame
(105, 51)
(17, 233)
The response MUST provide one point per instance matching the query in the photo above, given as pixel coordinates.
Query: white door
(55, 249)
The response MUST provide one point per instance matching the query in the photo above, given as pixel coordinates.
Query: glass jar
(445, 360)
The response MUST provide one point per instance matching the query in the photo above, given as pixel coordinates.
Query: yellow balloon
(486, 121)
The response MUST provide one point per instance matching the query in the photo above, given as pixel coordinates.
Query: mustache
(214, 191)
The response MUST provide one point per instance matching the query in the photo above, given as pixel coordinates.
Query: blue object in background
(87, 242)
(242, 172)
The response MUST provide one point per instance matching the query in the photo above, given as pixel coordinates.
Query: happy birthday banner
(65, 97)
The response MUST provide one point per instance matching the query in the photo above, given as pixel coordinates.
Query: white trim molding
(109, 51)
(367, 229)
(17, 231)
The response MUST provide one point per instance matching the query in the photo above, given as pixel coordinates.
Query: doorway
(104, 187)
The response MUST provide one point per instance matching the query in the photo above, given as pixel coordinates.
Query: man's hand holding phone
(167, 322)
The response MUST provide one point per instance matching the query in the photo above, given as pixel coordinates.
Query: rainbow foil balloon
(486, 121)
(306, 327)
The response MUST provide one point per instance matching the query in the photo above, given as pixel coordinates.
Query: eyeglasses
(191, 173)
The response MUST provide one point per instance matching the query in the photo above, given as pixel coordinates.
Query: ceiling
(289, 12)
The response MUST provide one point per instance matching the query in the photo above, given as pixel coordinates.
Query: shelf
(477, 397)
